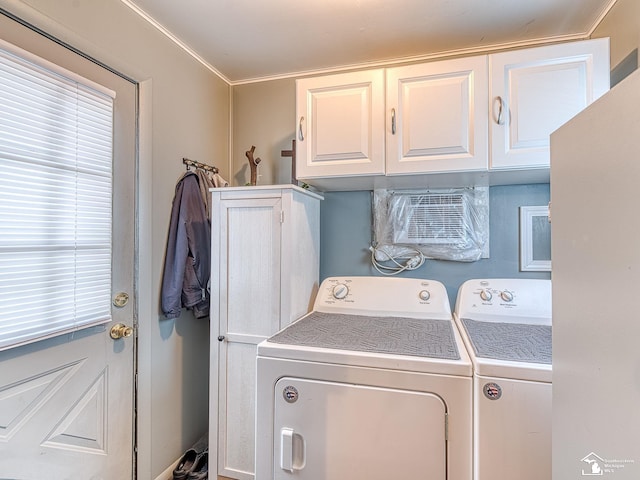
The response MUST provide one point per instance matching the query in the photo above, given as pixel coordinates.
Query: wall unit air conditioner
(429, 218)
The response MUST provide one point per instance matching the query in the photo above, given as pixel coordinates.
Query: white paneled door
(67, 403)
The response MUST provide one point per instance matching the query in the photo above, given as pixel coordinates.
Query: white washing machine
(506, 326)
(374, 384)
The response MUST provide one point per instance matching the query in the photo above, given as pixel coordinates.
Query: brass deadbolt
(121, 299)
(120, 330)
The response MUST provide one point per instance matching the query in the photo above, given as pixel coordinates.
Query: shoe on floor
(185, 465)
(200, 470)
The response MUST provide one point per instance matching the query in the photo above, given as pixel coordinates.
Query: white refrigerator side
(595, 215)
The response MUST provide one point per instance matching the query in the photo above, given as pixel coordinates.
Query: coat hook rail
(192, 163)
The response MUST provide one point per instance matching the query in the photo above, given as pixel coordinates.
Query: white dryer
(374, 384)
(506, 326)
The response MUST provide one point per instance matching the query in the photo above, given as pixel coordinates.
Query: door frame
(144, 282)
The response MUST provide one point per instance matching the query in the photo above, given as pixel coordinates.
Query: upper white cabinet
(483, 119)
(437, 117)
(535, 91)
(340, 127)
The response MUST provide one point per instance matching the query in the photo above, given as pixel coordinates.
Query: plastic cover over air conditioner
(445, 224)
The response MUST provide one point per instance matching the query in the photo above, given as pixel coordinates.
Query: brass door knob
(120, 330)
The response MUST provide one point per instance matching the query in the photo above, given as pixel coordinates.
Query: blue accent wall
(346, 233)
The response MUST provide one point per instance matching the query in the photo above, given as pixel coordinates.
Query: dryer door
(338, 431)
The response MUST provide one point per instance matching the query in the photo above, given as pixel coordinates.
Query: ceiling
(250, 40)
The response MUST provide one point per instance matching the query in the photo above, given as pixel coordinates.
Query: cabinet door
(535, 91)
(340, 125)
(437, 117)
(250, 240)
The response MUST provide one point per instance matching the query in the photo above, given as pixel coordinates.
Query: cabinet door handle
(393, 121)
(300, 134)
(221, 338)
(500, 119)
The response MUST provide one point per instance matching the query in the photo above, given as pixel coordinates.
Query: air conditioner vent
(430, 218)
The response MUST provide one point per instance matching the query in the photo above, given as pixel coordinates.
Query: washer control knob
(507, 296)
(424, 295)
(340, 291)
(486, 295)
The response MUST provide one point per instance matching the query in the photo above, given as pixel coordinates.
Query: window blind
(56, 137)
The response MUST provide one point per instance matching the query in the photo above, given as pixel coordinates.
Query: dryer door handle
(292, 450)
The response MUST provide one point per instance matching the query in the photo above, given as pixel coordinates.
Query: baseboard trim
(168, 473)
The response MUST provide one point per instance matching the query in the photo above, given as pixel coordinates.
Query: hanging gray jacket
(187, 265)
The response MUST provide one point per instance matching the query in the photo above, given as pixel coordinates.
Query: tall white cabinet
(265, 247)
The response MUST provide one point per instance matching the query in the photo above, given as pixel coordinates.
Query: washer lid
(508, 350)
(393, 335)
(515, 342)
(398, 343)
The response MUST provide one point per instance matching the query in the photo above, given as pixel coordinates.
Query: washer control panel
(501, 300)
(384, 296)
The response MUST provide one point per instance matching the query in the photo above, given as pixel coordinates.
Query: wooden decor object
(291, 153)
(253, 164)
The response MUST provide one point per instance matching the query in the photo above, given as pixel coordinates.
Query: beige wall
(264, 116)
(189, 113)
(622, 25)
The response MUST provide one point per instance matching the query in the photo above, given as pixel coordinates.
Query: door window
(56, 149)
